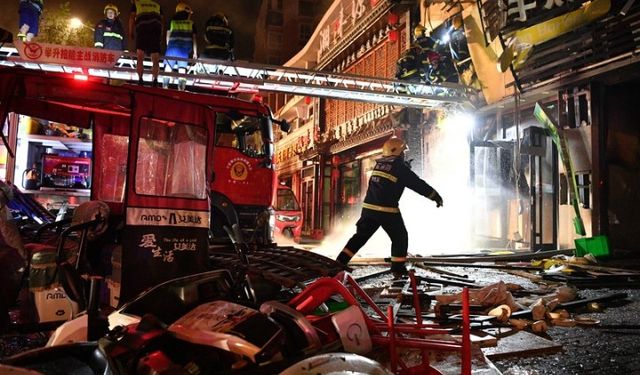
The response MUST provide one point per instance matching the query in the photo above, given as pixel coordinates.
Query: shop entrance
(516, 198)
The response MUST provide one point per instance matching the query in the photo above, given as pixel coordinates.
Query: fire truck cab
(174, 167)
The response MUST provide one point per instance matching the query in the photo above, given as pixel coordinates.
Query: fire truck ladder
(237, 76)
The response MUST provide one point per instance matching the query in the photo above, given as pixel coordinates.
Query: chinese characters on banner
(348, 14)
(169, 248)
(515, 14)
(44, 53)
(524, 10)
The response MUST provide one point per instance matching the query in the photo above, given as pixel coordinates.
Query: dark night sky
(241, 13)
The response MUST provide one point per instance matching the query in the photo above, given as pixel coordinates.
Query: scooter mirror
(285, 126)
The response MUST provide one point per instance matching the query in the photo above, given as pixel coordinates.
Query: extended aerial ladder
(237, 76)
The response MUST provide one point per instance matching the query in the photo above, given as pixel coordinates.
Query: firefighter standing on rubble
(390, 176)
(109, 32)
(29, 13)
(145, 26)
(181, 43)
(219, 38)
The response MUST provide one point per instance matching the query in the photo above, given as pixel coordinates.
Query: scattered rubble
(445, 317)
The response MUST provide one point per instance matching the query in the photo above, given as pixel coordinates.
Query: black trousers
(391, 223)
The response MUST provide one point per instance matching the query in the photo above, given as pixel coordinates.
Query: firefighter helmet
(183, 7)
(113, 7)
(457, 22)
(219, 19)
(394, 146)
(419, 31)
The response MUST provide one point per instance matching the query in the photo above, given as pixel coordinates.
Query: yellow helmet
(113, 7)
(419, 31)
(394, 146)
(183, 7)
(457, 22)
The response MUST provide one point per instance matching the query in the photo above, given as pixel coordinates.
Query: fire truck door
(166, 204)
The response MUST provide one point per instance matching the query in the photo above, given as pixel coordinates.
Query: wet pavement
(610, 347)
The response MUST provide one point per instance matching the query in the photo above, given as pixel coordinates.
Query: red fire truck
(163, 160)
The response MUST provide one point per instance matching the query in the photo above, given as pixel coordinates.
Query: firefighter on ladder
(390, 176)
(29, 19)
(145, 26)
(219, 38)
(432, 60)
(181, 43)
(109, 32)
(407, 68)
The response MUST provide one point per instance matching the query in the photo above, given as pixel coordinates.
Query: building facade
(520, 190)
(333, 144)
(283, 27)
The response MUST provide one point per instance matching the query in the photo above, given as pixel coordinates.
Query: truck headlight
(287, 218)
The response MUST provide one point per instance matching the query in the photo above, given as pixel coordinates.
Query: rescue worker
(390, 176)
(181, 43)
(441, 68)
(29, 13)
(109, 32)
(219, 38)
(146, 27)
(422, 40)
(407, 68)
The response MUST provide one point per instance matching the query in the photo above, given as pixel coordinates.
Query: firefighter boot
(399, 270)
(344, 257)
(182, 84)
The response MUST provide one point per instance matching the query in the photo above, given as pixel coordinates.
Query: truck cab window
(244, 133)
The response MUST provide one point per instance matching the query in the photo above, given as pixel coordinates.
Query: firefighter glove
(438, 199)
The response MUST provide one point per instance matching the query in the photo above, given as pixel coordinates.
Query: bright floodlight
(75, 23)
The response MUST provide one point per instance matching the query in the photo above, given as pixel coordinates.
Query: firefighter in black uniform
(422, 40)
(109, 32)
(380, 208)
(440, 69)
(219, 38)
(407, 68)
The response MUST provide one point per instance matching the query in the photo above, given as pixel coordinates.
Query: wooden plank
(521, 344)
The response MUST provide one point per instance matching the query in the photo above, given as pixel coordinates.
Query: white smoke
(432, 231)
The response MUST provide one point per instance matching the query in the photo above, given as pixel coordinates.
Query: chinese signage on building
(347, 15)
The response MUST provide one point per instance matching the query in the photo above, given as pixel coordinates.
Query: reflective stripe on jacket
(181, 30)
(219, 37)
(146, 7)
(109, 34)
(147, 11)
(387, 182)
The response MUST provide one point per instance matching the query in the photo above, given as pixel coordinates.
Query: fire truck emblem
(32, 50)
(239, 171)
